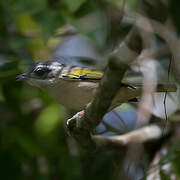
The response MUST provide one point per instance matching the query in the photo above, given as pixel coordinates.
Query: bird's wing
(83, 74)
(77, 73)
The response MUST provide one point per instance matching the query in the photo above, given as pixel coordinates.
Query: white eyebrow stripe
(53, 65)
(40, 66)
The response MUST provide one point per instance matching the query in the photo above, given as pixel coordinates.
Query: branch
(81, 127)
(137, 136)
(146, 64)
(167, 34)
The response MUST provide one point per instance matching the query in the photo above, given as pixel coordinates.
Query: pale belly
(73, 94)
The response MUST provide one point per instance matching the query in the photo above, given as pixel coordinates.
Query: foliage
(33, 140)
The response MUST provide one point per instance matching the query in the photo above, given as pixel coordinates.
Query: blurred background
(34, 143)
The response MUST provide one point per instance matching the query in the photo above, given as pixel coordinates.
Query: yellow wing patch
(84, 74)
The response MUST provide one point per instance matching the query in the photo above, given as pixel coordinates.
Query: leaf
(27, 25)
(176, 160)
(31, 7)
(73, 5)
(164, 176)
(38, 49)
(26, 142)
(49, 119)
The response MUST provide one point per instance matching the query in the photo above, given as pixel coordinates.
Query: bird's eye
(40, 72)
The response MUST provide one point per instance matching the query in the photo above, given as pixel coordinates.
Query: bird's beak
(21, 77)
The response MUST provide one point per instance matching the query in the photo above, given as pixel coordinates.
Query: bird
(74, 86)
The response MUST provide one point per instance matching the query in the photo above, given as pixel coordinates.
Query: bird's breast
(73, 94)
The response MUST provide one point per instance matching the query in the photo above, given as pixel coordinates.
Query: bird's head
(42, 74)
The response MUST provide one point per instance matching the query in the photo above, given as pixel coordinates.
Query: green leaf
(32, 7)
(27, 25)
(38, 49)
(49, 119)
(176, 160)
(26, 142)
(164, 176)
(73, 5)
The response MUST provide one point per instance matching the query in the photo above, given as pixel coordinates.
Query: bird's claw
(70, 125)
(74, 117)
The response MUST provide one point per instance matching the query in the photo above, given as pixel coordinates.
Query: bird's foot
(79, 114)
(71, 122)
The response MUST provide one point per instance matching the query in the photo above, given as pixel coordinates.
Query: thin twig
(137, 136)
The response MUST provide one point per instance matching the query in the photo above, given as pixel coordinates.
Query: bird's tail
(160, 87)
